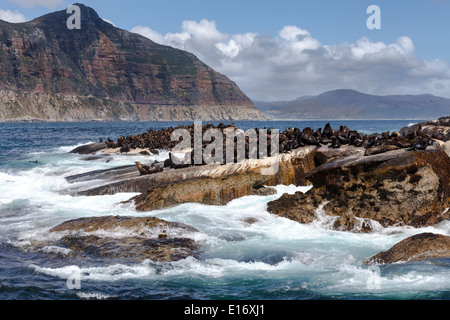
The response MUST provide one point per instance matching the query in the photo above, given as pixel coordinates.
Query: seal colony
(152, 141)
(289, 139)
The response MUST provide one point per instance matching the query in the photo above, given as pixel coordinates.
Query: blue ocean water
(271, 259)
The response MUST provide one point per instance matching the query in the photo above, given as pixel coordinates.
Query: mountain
(100, 72)
(350, 104)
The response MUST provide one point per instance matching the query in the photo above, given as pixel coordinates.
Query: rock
(90, 148)
(138, 225)
(380, 149)
(325, 154)
(419, 247)
(393, 188)
(446, 147)
(210, 191)
(129, 248)
(212, 184)
(97, 237)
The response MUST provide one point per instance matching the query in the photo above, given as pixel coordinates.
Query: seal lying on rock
(419, 145)
(144, 170)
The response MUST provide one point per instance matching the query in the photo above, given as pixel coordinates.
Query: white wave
(237, 240)
(110, 273)
(355, 278)
(186, 268)
(55, 249)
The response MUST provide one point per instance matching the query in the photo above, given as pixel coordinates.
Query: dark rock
(145, 242)
(392, 188)
(98, 157)
(90, 148)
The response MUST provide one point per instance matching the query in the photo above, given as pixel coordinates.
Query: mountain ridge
(347, 104)
(100, 72)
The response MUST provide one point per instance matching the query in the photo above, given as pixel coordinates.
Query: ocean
(272, 259)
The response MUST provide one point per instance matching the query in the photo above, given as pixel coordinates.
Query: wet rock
(126, 238)
(393, 188)
(419, 247)
(90, 148)
(130, 248)
(96, 158)
(208, 191)
(138, 225)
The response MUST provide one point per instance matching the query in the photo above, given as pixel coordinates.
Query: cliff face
(100, 72)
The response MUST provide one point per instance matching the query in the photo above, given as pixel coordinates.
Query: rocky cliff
(100, 72)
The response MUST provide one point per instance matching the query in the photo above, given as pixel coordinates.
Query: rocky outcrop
(394, 188)
(358, 179)
(419, 247)
(210, 191)
(123, 239)
(211, 184)
(100, 72)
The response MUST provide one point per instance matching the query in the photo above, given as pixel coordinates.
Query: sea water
(272, 258)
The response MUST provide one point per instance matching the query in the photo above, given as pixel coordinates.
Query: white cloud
(293, 63)
(204, 29)
(13, 17)
(149, 33)
(51, 4)
(109, 21)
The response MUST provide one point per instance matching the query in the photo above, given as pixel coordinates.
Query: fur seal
(380, 149)
(327, 130)
(144, 170)
(335, 143)
(419, 145)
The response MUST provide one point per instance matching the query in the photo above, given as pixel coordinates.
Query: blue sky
(409, 54)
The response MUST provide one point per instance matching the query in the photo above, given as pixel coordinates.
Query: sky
(283, 49)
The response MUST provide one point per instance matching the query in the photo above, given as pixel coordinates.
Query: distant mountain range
(100, 72)
(351, 104)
